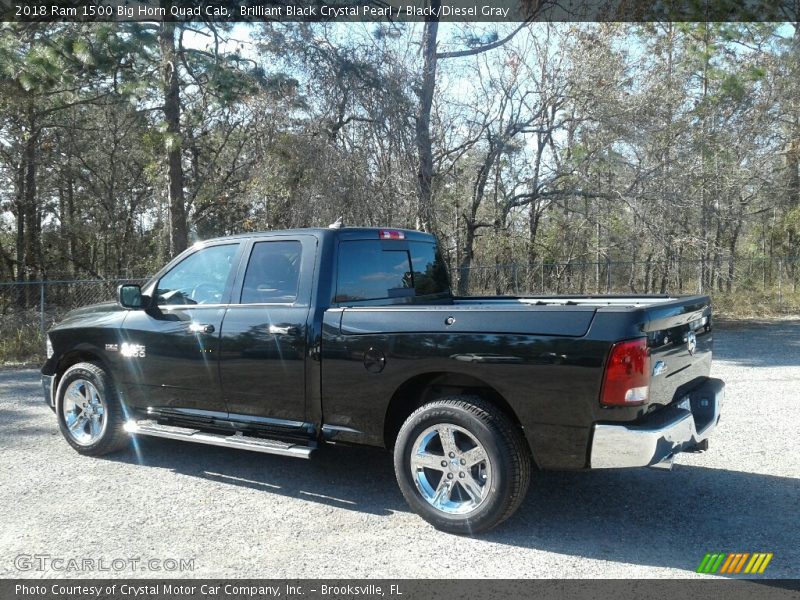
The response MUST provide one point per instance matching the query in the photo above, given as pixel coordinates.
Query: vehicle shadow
(663, 519)
(21, 419)
(358, 479)
(638, 516)
(19, 423)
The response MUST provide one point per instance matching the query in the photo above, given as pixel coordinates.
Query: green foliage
(663, 143)
(21, 340)
(756, 304)
(82, 50)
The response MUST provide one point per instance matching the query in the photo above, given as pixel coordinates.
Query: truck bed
(545, 355)
(607, 300)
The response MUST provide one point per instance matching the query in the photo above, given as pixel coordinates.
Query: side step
(236, 440)
(665, 463)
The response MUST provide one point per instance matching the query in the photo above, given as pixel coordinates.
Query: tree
(425, 91)
(173, 142)
(46, 69)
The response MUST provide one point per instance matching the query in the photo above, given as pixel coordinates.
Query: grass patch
(21, 340)
(746, 304)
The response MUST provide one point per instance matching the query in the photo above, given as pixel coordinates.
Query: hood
(81, 315)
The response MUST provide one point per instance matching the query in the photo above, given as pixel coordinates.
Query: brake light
(391, 234)
(626, 381)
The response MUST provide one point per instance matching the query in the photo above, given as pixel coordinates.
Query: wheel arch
(79, 354)
(426, 387)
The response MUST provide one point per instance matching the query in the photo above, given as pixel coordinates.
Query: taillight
(626, 381)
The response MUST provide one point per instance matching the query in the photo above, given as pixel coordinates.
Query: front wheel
(89, 412)
(461, 464)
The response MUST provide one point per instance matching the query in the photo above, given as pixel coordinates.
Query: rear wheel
(461, 464)
(89, 412)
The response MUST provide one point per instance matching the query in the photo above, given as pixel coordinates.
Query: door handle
(283, 329)
(201, 328)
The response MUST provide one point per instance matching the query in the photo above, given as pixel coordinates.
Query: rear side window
(273, 273)
(371, 270)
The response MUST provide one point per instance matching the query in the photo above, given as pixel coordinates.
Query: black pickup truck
(279, 342)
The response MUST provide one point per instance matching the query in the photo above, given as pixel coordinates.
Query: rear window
(374, 270)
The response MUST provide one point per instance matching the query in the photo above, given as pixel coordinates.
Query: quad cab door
(170, 351)
(264, 336)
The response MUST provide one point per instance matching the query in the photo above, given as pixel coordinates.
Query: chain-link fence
(740, 286)
(28, 309)
(777, 277)
(55, 297)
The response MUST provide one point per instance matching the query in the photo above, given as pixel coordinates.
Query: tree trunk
(178, 229)
(632, 272)
(466, 260)
(732, 250)
(31, 213)
(793, 166)
(425, 215)
(793, 154)
(20, 215)
(72, 243)
(665, 274)
(533, 233)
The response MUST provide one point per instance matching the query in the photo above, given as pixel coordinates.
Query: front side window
(273, 273)
(200, 278)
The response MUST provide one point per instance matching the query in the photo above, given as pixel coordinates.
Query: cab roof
(352, 233)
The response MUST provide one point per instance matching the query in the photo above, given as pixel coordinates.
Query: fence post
(542, 278)
(514, 278)
(41, 307)
(700, 276)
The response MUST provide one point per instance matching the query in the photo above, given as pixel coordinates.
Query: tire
(89, 411)
(485, 479)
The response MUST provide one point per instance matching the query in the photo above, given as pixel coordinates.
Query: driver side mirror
(129, 295)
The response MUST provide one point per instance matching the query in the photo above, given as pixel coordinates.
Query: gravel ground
(239, 514)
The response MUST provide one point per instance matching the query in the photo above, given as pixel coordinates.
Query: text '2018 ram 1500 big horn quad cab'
(279, 342)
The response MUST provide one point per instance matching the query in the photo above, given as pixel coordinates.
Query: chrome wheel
(451, 469)
(84, 412)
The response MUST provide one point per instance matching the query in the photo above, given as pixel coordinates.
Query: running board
(236, 440)
(665, 463)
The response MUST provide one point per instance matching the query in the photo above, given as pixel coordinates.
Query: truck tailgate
(680, 340)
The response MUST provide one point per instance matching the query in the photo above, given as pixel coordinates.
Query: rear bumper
(49, 390)
(655, 441)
